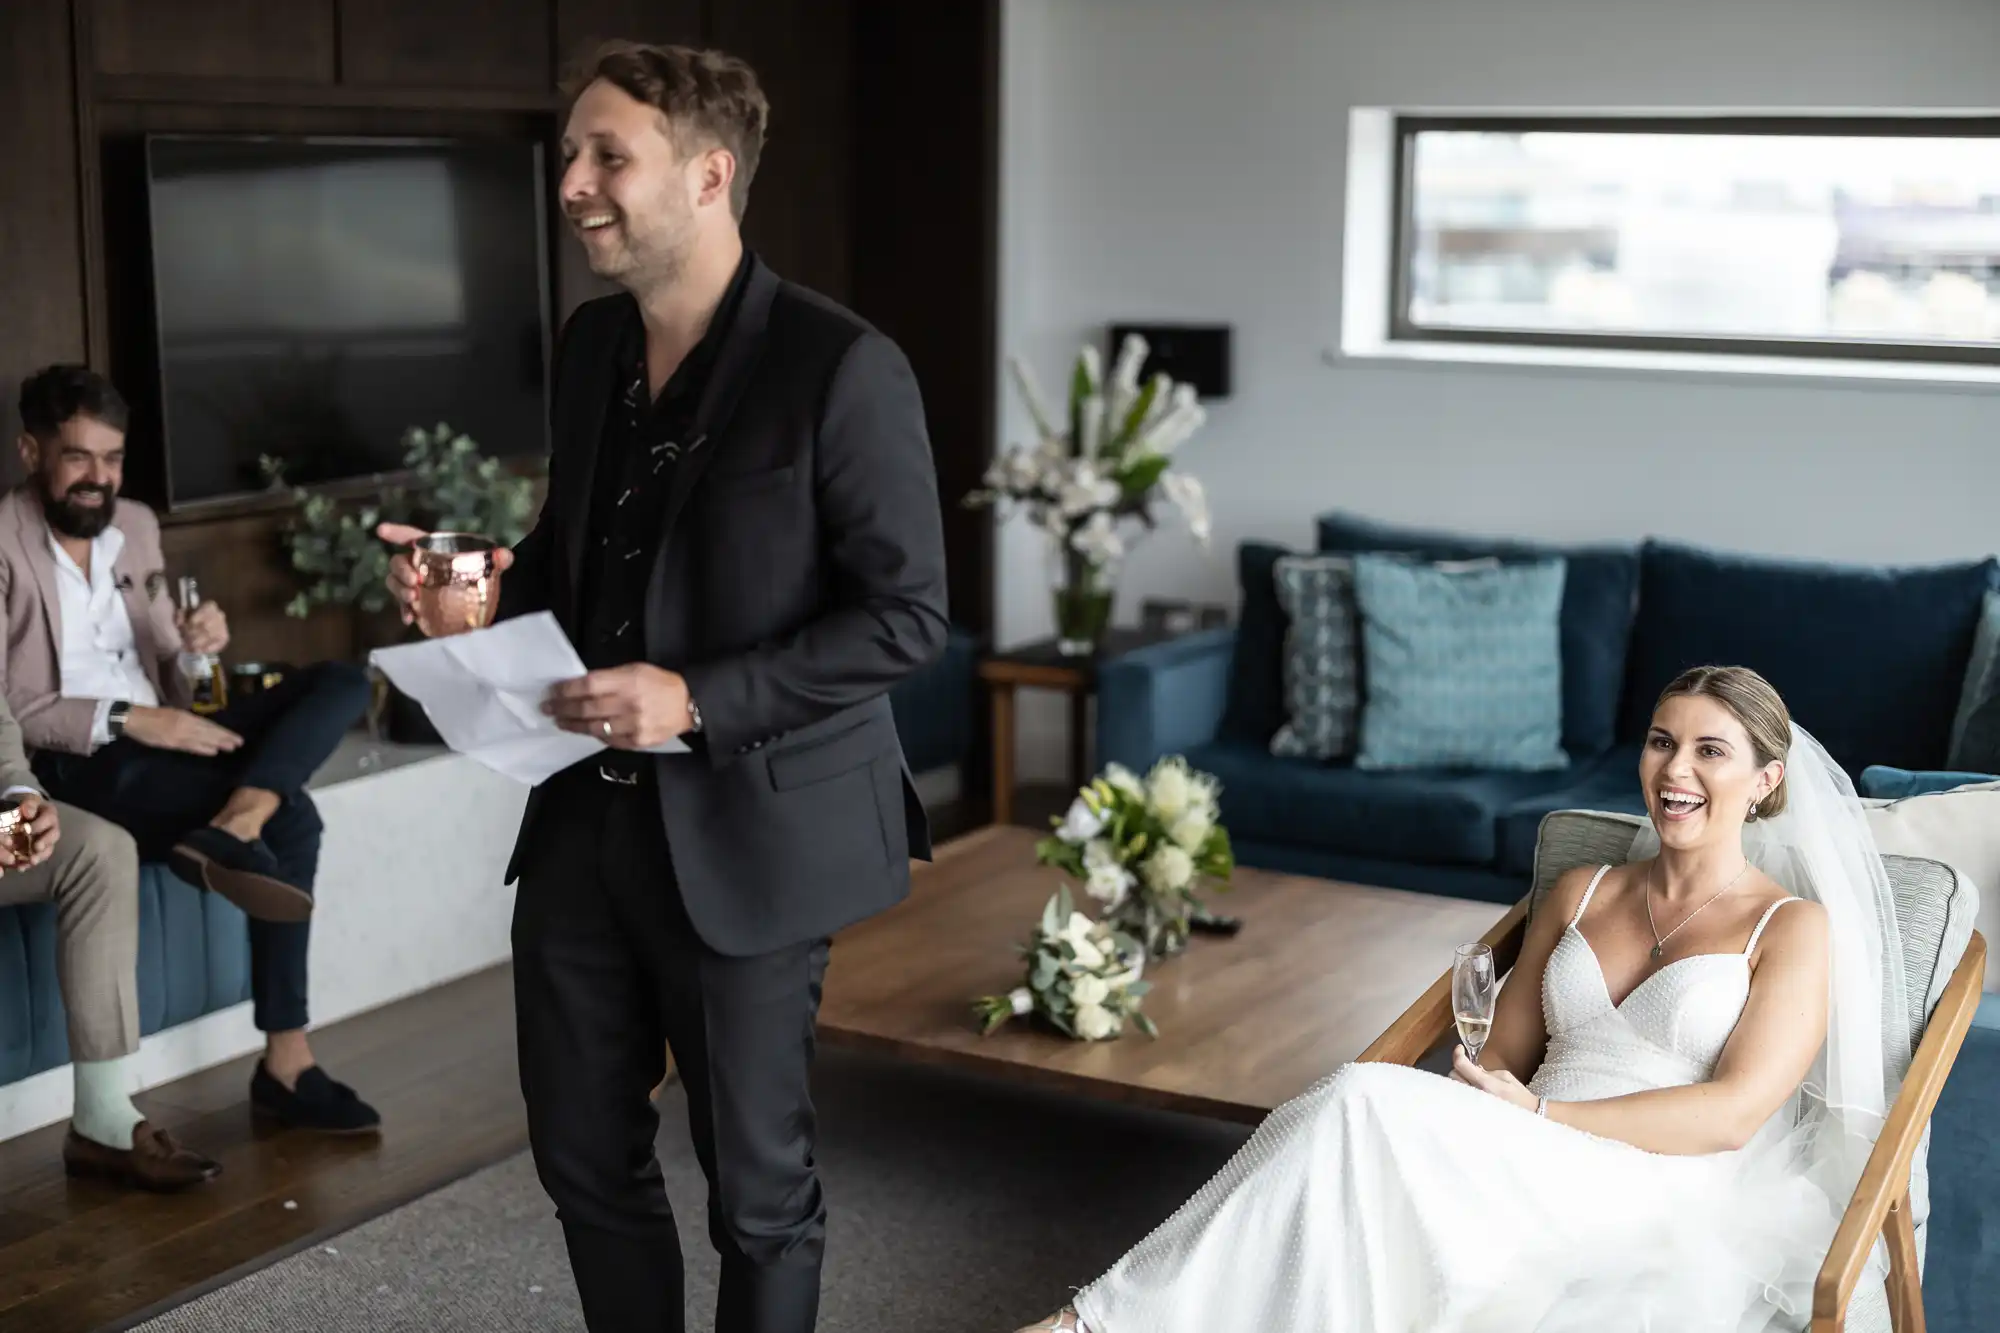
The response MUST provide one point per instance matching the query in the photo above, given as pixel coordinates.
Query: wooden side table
(1039, 665)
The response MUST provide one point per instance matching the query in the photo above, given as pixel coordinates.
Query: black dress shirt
(644, 440)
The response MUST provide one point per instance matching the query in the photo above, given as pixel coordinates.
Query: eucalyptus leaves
(1142, 850)
(451, 486)
(1082, 978)
(1145, 849)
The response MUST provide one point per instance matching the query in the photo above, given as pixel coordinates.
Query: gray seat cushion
(1935, 907)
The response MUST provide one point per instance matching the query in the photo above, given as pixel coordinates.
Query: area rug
(957, 1205)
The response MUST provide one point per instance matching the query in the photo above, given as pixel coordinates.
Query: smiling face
(78, 473)
(637, 204)
(1700, 772)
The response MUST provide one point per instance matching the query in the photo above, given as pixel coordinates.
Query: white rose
(1094, 1022)
(1089, 991)
(1108, 884)
(1191, 830)
(1169, 791)
(1168, 870)
(1125, 780)
(1078, 936)
(1081, 824)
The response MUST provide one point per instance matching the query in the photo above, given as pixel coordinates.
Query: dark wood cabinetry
(447, 43)
(582, 24)
(257, 40)
(874, 188)
(801, 203)
(41, 239)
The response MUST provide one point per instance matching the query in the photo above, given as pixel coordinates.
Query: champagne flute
(1474, 986)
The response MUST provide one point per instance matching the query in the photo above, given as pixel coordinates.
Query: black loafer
(245, 873)
(318, 1102)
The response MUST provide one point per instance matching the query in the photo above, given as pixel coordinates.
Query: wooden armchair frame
(1881, 1202)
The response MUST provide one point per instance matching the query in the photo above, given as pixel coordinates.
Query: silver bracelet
(1542, 1107)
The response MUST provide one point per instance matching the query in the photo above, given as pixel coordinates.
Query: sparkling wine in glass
(1474, 987)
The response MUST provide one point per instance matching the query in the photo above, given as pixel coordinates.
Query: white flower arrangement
(1108, 458)
(1082, 978)
(1145, 849)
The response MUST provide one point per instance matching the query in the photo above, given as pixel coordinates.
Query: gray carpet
(956, 1206)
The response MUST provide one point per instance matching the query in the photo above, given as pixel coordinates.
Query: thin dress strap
(1602, 871)
(1751, 947)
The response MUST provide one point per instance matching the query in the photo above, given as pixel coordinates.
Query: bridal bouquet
(1145, 849)
(1082, 978)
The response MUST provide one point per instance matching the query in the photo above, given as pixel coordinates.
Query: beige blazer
(31, 673)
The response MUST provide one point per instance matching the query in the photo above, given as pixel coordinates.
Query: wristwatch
(694, 716)
(114, 717)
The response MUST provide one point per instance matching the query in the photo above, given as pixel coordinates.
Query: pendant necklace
(1659, 940)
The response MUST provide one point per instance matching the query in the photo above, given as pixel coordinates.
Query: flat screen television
(314, 298)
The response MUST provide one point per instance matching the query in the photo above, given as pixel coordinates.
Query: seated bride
(1685, 1075)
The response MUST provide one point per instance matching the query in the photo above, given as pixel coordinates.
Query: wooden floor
(82, 1256)
(77, 1257)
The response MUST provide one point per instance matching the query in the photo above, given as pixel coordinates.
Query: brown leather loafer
(154, 1162)
(244, 873)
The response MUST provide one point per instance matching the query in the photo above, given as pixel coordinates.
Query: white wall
(1184, 160)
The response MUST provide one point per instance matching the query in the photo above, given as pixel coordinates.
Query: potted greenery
(331, 543)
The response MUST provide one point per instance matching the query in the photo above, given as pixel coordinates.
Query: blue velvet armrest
(1880, 782)
(935, 707)
(1164, 698)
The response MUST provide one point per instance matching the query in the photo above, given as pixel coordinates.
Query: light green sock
(104, 1112)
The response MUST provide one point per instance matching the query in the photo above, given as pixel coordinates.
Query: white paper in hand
(483, 691)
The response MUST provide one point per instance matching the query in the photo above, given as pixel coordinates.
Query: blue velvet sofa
(936, 709)
(194, 958)
(1870, 659)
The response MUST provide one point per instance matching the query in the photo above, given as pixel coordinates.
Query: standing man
(742, 537)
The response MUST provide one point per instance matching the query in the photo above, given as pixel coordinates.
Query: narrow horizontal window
(1794, 236)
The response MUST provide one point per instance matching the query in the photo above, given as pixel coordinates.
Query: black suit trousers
(608, 972)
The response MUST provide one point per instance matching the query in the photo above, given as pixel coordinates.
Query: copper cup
(15, 833)
(458, 588)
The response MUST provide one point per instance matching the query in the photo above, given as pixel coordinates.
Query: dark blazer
(800, 574)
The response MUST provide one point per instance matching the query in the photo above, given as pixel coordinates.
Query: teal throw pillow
(1463, 664)
(1322, 668)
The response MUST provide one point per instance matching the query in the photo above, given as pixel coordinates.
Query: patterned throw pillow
(1463, 664)
(1322, 667)
(1976, 748)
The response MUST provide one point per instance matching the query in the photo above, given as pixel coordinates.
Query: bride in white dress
(1685, 1075)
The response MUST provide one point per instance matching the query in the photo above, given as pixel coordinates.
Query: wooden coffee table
(1318, 972)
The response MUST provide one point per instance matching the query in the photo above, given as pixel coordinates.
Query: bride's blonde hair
(1750, 698)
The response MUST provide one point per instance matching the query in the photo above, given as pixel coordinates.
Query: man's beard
(83, 522)
(650, 262)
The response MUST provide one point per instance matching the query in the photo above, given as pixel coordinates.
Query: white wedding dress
(1387, 1198)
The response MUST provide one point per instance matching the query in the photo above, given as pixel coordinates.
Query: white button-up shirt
(100, 657)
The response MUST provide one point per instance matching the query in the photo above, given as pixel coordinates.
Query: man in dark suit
(742, 537)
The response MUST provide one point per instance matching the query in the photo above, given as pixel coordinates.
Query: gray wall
(1185, 160)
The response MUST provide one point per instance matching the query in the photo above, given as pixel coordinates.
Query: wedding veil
(1821, 848)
